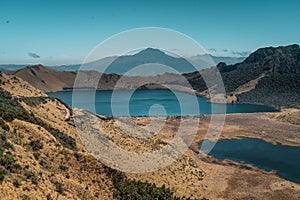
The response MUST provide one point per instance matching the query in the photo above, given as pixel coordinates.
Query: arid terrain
(48, 160)
(227, 177)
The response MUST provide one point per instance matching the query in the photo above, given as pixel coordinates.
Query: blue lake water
(283, 159)
(150, 103)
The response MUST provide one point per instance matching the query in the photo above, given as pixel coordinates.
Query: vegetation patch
(10, 109)
(25, 197)
(292, 118)
(59, 187)
(36, 145)
(35, 101)
(144, 191)
(30, 175)
(3, 125)
(64, 139)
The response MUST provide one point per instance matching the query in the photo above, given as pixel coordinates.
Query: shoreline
(198, 94)
(236, 127)
(243, 164)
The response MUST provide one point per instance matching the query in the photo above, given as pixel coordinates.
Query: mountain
(122, 64)
(49, 80)
(228, 60)
(216, 59)
(10, 67)
(269, 76)
(44, 78)
(98, 65)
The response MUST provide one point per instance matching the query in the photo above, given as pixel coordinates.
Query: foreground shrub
(137, 190)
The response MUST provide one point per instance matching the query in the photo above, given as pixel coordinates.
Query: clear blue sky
(64, 31)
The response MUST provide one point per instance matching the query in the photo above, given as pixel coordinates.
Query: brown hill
(46, 79)
(49, 80)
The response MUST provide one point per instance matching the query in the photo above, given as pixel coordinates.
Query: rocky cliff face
(278, 70)
(277, 60)
(268, 76)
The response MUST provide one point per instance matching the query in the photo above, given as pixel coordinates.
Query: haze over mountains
(121, 64)
(269, 76)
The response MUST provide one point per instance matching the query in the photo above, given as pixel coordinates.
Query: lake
(150, 103)
(283, 159)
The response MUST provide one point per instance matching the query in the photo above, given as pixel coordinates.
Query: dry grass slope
(42, 157)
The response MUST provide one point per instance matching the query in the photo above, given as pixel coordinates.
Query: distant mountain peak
(153, 57)
(37, 67)
(151, 51)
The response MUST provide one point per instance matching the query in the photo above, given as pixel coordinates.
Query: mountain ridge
(202, 61)
(267, 76)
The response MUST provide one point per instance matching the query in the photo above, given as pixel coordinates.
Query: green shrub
(3, 125)
(25, 197)
(3, 172)
(49, 197)
(44, 164)
(32, 176)
(16, 183)
(10, 109)
(4, 144)
(63, 167)
(64, 139)
(35, 101)
(58, 187)
(36, 155)
(36, 145)
(142, 191)
(7, 160)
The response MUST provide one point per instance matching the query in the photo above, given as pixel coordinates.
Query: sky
(55, 32)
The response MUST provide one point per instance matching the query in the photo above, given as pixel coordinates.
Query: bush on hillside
(138, 190)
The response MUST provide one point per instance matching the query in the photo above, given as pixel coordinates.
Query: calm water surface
(283, 159)
(151, 102)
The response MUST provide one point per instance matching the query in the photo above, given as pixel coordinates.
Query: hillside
(278, 70)
(49, 80)
(42, 157)
(269, 76)
(46, 79)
